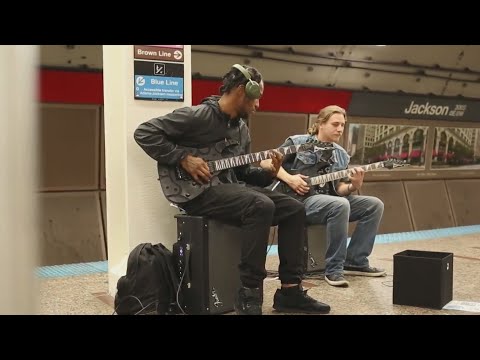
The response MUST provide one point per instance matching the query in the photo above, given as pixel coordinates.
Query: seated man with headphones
(221, 119)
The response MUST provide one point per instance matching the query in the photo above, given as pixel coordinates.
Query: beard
(244, 115)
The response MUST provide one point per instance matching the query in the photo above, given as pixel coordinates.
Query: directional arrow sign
(177, 54)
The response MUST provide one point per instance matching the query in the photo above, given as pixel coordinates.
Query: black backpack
(150, 285)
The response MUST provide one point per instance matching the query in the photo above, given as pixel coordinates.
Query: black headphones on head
(252, 88)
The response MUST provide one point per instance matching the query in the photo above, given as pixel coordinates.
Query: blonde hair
(323, 116)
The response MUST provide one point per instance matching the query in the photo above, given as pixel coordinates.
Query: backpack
(150, 285)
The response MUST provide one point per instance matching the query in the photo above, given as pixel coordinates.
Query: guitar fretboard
(322, 179)
(235, 161)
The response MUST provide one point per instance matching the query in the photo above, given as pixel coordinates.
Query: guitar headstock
(394, 163)
(317, 146)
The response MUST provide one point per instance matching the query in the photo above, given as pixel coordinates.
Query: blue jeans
(336, 212)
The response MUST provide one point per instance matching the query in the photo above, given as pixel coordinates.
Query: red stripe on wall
(73, 87)
(280, 98)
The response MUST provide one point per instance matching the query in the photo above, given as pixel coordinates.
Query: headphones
(252, 88)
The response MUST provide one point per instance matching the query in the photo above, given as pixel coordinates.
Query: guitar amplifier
(423, 278)
(315, 248)
(207, 255)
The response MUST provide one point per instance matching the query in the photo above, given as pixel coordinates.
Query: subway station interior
(97, 194)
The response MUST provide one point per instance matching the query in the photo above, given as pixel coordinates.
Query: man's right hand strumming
(197, 168)
(297, 183)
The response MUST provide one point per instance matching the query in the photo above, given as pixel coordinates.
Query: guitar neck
(235, 161)
(322, 179)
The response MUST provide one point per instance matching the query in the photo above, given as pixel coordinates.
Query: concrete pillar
(137, 211)
(18, 156)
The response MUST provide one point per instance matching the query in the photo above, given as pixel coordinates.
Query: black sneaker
(336, 280)
(364, 271)
(248, 301)
(295, 300)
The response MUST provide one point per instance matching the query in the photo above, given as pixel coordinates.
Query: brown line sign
(158, 53)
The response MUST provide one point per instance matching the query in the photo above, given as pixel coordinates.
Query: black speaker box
(207, 255)
(422, 278)
(314, 249)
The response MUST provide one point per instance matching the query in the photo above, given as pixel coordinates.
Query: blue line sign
(161, 81)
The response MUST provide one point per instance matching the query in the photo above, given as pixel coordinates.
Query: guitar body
(324, 188)
(178, 186)
(287, 190)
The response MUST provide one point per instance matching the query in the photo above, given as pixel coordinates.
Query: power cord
(272, 274)
(388, 283)
(139, 301)
(187, 261)
(315, 275)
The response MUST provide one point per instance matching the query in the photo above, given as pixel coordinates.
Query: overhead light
(380, 45)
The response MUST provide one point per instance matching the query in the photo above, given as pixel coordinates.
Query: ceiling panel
(72, 56)
(448, 70)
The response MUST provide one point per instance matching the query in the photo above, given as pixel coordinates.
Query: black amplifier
(207, 255)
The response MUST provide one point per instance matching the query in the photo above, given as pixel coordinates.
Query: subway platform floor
(82, 289)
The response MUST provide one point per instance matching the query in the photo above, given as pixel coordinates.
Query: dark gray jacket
(198, 126)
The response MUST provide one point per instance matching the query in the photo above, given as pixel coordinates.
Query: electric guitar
(323, 181)
(179, 187)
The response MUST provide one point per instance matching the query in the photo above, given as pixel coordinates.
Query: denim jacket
(308, 159)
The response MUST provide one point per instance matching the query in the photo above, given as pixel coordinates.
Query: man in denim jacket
(334, 204)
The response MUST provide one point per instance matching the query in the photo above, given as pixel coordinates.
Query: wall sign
(149, 52)
(413, 107)
(159, 75)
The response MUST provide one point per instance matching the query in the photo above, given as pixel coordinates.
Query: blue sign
(158, 87)
(158, 81)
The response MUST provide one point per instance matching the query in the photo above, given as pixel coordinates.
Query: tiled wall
(71, 184)
(425, 205)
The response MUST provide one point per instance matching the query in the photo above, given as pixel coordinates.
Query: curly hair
(234, 78)
(325, 114)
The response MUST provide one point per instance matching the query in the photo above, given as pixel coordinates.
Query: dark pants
(256, 209)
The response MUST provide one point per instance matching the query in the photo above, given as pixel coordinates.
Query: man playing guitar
(333, 203)
(221, 119)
